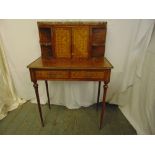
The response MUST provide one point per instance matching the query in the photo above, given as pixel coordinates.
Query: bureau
(71, 51)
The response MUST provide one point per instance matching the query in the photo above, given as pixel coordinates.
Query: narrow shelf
(45, 44)
(95, 44)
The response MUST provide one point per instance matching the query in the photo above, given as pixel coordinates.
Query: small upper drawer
(47, 74)
(87, 75)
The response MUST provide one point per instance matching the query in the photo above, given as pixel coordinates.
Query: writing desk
(71, 70)
(71, 51)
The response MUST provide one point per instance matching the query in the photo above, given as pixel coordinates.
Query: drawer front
(52, 74)
(87, 75)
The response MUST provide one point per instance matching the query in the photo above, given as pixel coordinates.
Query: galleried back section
(72, 39)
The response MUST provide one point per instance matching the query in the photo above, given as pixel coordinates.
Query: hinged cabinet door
(80, 42)
(62, 42)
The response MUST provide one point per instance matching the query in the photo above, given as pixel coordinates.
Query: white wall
(20, 38)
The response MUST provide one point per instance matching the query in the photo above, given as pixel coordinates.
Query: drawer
(46, 74)
(87, 75)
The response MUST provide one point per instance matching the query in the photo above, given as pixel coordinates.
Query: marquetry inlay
(87, 74)
(80, 38)
(62, 42)
(48, 74)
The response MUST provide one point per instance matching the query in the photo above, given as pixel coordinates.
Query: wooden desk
(71, 51)
(94, 69)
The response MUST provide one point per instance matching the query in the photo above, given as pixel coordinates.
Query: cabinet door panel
(62, 42)
(80, 42)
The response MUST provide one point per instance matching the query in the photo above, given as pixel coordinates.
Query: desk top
(71, 64)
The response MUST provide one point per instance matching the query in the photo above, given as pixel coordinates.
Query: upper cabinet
(72, 39)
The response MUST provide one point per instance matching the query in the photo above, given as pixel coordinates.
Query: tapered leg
(103, 104)
(35, 85)
(98, 95)
(47, 94)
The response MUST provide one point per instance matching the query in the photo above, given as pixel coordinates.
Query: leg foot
(103, 104)
(98, 95)
(35, 85)
(47, 94)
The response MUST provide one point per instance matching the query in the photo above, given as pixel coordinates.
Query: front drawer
(87, 75)
(46, 74)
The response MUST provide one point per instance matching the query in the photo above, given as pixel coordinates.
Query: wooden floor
(62, 121)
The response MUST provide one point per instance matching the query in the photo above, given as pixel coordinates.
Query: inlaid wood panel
(62, 42)
(87, 75)
(48, 74)
(80, 41)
